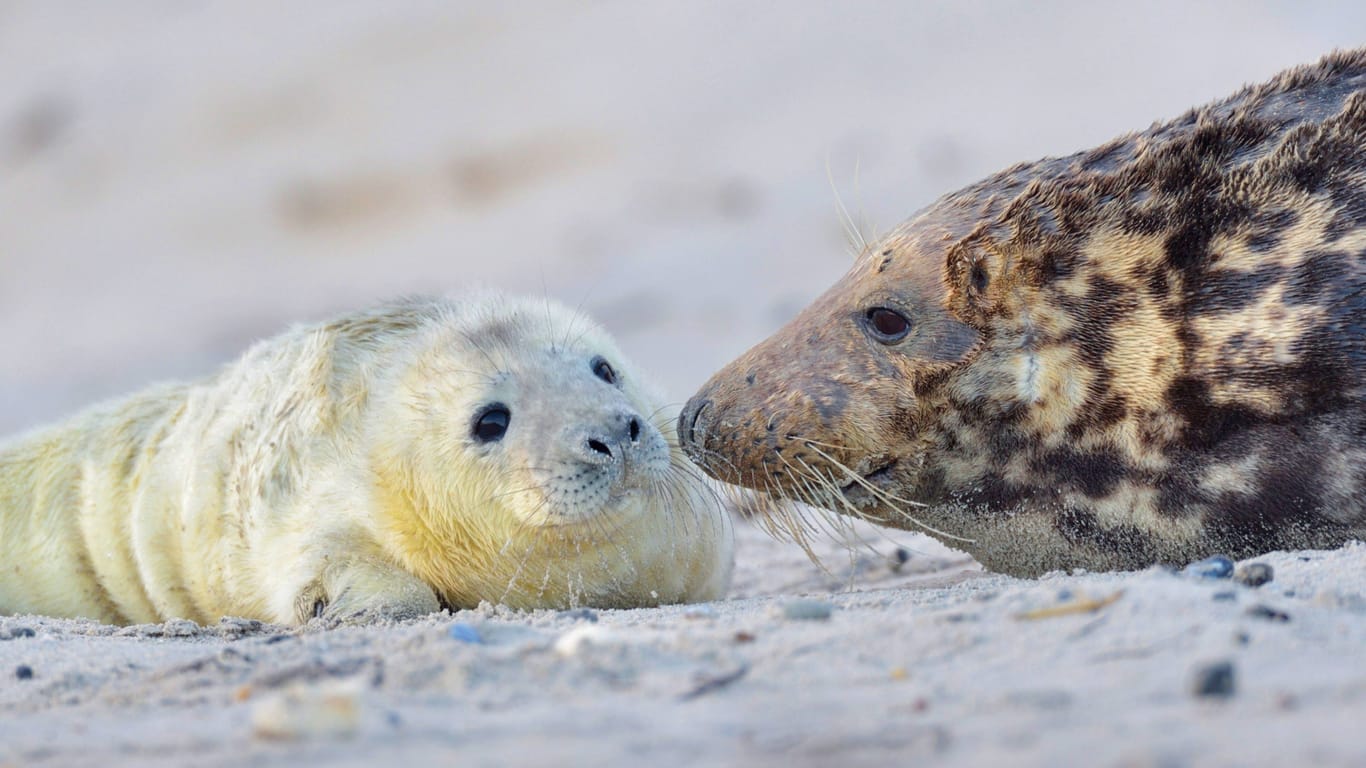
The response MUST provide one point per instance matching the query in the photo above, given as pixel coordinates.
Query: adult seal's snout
(692, 428)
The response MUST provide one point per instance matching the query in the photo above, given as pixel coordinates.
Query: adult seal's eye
(887, 325)
(492, 423)
(603, 370)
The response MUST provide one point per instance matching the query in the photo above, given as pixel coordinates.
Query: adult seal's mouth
(870, 488)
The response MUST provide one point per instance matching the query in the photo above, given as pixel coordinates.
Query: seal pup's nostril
(597, 446)
(635, 429)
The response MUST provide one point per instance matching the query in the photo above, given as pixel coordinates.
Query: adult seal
(1151, 351)
(381, 464)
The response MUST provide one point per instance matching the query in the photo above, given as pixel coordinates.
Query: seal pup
(1151, 351)
(382, 464)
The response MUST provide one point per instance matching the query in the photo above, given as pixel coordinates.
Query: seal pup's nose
(614, 442)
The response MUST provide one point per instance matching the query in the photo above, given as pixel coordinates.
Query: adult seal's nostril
(692, 428)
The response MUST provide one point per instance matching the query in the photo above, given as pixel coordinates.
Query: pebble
(1268, 613)
(1217, 567)
(580, 614)
(1350, 600)
(699, 612)
(16, 632)
(900, 556)
(465, 633)
(331, 710)
(584, 636)
(235, 625)
(180, 628)
(1214, 681)
(1254, 574)
(23, 672)
(1225, 597)
(808, 609)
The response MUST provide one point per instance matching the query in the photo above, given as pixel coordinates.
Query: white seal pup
(381, 464)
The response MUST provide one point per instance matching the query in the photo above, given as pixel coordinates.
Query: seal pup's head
(524, 460)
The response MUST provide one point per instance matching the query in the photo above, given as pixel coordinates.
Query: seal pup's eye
(603, 370)
(888, 325)
(492, 423)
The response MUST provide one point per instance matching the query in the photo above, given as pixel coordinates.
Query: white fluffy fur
(333, 466)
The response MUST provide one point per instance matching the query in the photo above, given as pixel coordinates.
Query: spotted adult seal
(1150, 351)
(380, 464)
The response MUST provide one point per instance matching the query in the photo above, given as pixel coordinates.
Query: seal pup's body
(1151, 351)
(381, 464)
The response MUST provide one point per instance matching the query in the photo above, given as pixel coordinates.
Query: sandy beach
(934, 662)
(179, 180)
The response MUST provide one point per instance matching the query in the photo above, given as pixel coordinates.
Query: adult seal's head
(1149, 351)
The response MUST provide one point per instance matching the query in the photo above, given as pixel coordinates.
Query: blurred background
(180, 178)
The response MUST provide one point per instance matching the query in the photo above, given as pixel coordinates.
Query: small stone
(743, 637)
(23, 672)
(1217, 567)
(465, 633)
(699, 612)
(14, 633)
(330, 710)
(1254, 574)
(1334, 599)
(582, 637)
(1225, 597)
(1214, 681)
(1268, 613)
(807, 609)
(580, 614)
(180, 628)
(900, 556)
(230, 655)
(235, 625)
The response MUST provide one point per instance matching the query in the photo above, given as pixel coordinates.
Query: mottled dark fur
(1150, 351)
